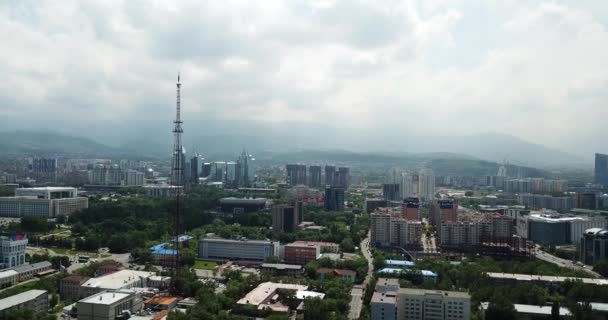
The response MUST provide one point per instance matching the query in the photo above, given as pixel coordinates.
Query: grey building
(373, 204)
(594, 246)
(296, 174)
(330, 175)
(35, 300)
(46, 202)
(285, 218)
(334, 198)
(556, 229)
(242, 205)
(195, 166)
(245, 250)
(601, 169)
(315, 176)
(108, 305)
(343, 177)
(390, 192)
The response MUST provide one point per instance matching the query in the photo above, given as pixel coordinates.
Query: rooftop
(303, 294)
(8, 273)
(426, 273)
(75, 278)
(451, 294)
(404, 263)
(531, 277)
(118, 279)
(237, 240)
(533, 309)
(48, 189)
(161, 300)
(231, 200)
(316, 243)
(162, 249)
(265, 290)
(105, 298)
(20, 298)
(26, 267)
(281, 266)
(382, 297)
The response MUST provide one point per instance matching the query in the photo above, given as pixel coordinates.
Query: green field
(207, 265)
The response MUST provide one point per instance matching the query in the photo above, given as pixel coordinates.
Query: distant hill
(41, 143)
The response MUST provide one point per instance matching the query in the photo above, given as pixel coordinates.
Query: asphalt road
(356, 293)
(564, 263)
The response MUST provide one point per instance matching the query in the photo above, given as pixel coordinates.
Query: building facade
(315, 176)
(285, 218)
(35, 300)
(334, 198)
(601, 169)
(594, 246)
(108, 305)
(393, 231)
(12, 248)
(255, 251)
(301, 253)
(418, 304)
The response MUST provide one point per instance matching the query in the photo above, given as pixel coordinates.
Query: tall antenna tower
(177, 173)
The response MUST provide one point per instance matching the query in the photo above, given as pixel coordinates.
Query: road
(356, 293)
(542, 255)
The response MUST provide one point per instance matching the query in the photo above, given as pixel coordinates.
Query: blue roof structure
(425, 273)
(401, 263)
(162, 249)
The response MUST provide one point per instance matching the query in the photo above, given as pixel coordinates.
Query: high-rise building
(419, 304)
(296, 174)
(410, 209)
(388, 230)
(242, 171)
(334, 198)
(114, 176)
(194, 169)
(206, 170)
(426, 184)
(587, 200)
(134, 178)
(330, 175)
(285, 218)
(99, 175)
(443, 210)
(390, 192)
(315, 176)
(594, 246)
(601, 169)
(406, 184)
(343, 177)
(44, 169)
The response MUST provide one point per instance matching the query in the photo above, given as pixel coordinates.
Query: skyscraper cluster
(297, 175)
(234, 174)
(399, 185)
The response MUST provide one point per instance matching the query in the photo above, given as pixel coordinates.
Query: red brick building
(301, 253)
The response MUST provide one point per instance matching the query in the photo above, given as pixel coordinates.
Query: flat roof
(26, 267)
(237, 241)
(162, 249)
(263, 291)
(451, 294)
(162, 300)
(316, 243)
(303, 294)
(118, 279)
(382, 297)
(47, 188)
(234, 200)
(281, 266)
(532, 277)
(426, 273)
(533, 309)
(400, 263)
(105, 298)
(20, 298)
(8, 273)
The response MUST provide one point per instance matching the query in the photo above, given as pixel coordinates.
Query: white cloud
(364, 64)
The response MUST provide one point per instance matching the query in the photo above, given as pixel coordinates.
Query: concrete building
(390, 192)
(262, 296)
(69, 287)
(44, 169)
(46, 202)
(601, 169)
(330, 176)
(134, 178)
(334, 198)
(35, 300)
(461, 234)
(315, 176)
(8, 278)
(588, 200)
(296, 174)
(410, 209)
(109, 305)
(548, 228)
(123, 279)
(163, 190)
(285, 218)
(419, 304)
(242, 205)
(443, 210)
(325, 246)
(539, 201)
(372, 204)
(426, 184)
(281, 269)
(12, 250)
(531, 312)
(29, 271)
(511, 279)
(301, 253)
(343, 176)
(388, 230)
(255, 251)
(594, 246)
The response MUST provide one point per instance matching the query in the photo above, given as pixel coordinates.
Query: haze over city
(340, 72)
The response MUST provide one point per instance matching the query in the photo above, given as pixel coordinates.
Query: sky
(537, 70)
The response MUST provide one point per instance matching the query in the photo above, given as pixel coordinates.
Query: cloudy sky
(534, 69)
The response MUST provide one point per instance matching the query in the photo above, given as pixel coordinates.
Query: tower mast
(177, 172)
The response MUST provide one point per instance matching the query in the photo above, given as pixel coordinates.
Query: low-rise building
(158, 303)
(549, 281)
(531, 312)
(29, 271)
(108, 268)
(123, 279)
(35, 300)
(69, 287)
(244, 250)
(161, 190)
(108, 305)
(242, 205)
(301, 253)
(325, 246)
(281, 269)
(263, 296)
(346, 275)
(8, 278)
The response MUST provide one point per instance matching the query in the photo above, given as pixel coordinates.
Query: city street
(356, 301)
(542, 255)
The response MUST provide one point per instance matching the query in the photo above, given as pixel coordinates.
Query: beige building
(389, 230)
(418, 304)
(8, 278)
(108, 305)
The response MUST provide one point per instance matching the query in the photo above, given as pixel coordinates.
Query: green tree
(555, 310)
(347, 245)
(601, 267)
(501, 310)
(61, 219)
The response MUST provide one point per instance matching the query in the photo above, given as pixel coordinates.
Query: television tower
(177, 173)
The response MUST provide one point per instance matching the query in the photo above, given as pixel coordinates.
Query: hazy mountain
(47, 143)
